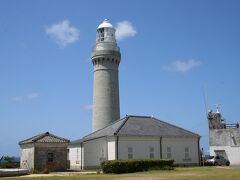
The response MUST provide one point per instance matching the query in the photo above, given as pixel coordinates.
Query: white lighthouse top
(105, 37)
(105, 24)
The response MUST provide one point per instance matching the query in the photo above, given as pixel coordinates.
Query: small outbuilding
(44, 151)
(135, 137)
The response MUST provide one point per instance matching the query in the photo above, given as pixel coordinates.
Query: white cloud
(182, 66)
(29, 96)
(17, 98)
(88, 107)
(125, 29)
(63, 33)
(32, 95)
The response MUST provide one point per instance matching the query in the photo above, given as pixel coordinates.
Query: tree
(8, 159)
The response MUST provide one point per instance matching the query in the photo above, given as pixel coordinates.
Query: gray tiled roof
(45, 138)
(106, 131)
(139, 126)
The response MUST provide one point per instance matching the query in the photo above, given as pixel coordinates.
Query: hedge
(129, 166)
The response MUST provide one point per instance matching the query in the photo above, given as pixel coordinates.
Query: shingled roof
(45, 138)
(139, 126)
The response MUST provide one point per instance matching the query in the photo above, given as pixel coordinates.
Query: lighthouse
(106, 58)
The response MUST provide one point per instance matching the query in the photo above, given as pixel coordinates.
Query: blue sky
(170, 51)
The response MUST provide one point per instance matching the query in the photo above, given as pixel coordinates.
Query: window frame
(169, 152)
(187, 152)
(151, 152)
(50, 157)
(130, 153)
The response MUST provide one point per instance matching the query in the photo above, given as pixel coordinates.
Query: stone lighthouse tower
(105, 57)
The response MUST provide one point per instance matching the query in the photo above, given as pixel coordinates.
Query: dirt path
(56, 174)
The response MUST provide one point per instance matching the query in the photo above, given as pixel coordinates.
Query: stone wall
(106, 108)
(59, 151)
(224, 137)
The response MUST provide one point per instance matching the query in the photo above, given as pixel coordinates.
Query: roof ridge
(40, 134)
(104, 127)
(139, 116)
(155, 119)
(55, 136)
(126, 118)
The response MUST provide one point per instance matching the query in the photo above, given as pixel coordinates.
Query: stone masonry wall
(59, 151)
(224, 137)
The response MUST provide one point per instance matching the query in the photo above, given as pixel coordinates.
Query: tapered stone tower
(105, 57)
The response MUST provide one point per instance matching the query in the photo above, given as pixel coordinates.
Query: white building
(224, 139)
(135, 137)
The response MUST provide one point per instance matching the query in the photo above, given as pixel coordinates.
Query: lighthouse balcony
(105, 46)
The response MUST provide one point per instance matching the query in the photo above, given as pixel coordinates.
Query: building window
(77, 155)
(169, 152)
(77, 161)
(50, 157)
(102, 154)
(130, 152)
(151, 152)
(186, 152)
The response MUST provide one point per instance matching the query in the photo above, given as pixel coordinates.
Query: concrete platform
(13, 172)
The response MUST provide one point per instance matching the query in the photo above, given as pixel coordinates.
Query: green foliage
(129, 166)
(8, 159)
(8, 162)
(5, 165)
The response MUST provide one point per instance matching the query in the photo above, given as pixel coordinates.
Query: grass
(191, 173)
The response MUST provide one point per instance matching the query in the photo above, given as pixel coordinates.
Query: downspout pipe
(160, 147)
(117, 147)
(199, 158)
(81, 156)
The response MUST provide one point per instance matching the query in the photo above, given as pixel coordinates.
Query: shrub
(6, 165)
(129, 166)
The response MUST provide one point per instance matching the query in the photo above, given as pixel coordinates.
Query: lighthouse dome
(105, 24)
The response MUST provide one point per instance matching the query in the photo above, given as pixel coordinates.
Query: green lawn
(196, 173)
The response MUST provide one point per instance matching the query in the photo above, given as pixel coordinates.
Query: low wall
(13, 172)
